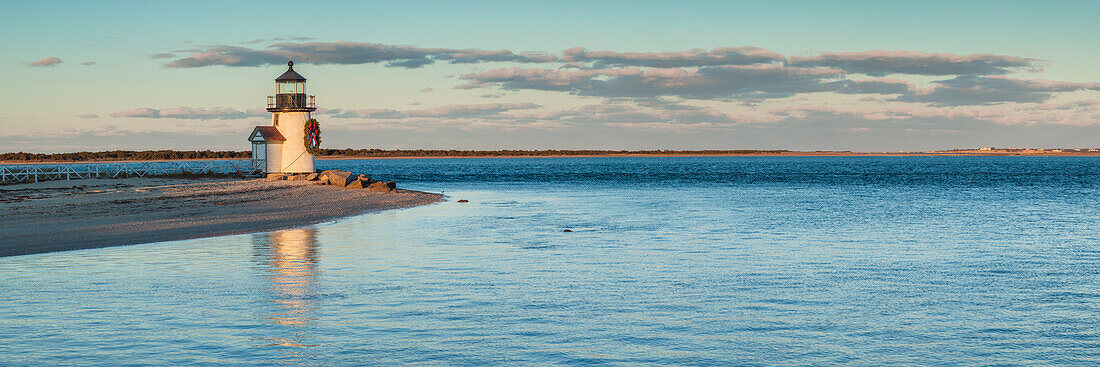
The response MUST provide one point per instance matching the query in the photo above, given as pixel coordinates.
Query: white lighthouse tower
(284, 150)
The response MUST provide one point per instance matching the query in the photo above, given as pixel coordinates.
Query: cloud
(872, 86)
(676, 59)
(348, 53)
(88, 63)
(669, 84)
(277, 39)
(447, 111)
(1083, 105)
(732, 82)
(977, 90)
(618, 115)
(509, 116)
(229, 56)
(478, 56)
(49, 61)
(88, 116)
(540, 79)
(189, 113)
(757, 82)
(881, 63)
(165, 55)
(1073, 113)
(410, 63)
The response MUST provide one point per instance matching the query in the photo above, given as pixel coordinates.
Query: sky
(798, 75)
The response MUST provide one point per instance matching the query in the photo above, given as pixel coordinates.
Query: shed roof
(266, 133)
(290, 75)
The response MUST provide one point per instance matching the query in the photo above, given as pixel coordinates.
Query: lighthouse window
(290, 88)
(275, 120)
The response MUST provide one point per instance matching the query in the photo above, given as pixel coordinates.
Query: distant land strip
(169, 155)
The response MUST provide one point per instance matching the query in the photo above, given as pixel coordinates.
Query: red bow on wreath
(313, 137)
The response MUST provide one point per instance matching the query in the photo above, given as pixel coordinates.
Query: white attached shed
(267, 149)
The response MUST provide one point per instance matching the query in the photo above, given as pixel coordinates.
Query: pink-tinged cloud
(530, 116)
(976, 90)
(880, 63)
(486, 110)
(49, 61)
(1072, 113)
(189, 113)
(673, 59)
(873, 86)
(714, 82)
(1083, 105)
(349, 53)
(758, 82)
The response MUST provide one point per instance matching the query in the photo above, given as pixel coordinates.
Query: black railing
(291, 102)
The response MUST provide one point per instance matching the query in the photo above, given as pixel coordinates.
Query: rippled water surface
(684, 261)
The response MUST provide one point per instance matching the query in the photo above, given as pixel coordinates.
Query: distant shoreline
(945, 153)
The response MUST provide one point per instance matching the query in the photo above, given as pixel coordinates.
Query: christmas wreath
(313, 137)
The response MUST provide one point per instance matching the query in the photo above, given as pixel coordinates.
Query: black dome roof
(290, 75)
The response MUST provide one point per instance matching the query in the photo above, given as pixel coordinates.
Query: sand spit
(81, 214)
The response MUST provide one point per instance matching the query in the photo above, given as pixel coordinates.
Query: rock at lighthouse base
(340, 178)
(382, 186)
(358, 184)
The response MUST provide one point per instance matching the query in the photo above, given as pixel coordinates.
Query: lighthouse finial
(290, 64)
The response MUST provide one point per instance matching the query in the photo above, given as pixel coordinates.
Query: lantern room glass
(298, 87)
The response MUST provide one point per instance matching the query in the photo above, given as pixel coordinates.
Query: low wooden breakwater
(51, 172)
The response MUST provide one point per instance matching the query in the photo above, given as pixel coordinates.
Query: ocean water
(670, 261)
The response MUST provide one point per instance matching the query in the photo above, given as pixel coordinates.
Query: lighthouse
(285, 145)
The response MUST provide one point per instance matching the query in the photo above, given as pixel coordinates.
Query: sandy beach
(81, 214)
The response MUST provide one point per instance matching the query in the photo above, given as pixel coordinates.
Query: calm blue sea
(671, 261)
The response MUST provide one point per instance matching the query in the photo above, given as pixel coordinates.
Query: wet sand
(81, 214)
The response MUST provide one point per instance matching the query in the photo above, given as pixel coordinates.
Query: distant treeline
(157, 155)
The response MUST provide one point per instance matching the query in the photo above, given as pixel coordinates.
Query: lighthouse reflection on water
(289, 260)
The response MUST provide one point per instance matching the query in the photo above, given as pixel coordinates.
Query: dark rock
(340, 178)
(323, 175)
(392, 185)
(379, 187)
(358, 184)
(463, 201)
(276, 177)
(365, 178)
(312, 177)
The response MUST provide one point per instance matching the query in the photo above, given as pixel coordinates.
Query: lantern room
(290, 93)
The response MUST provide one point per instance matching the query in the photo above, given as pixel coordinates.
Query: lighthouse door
(259, 156)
